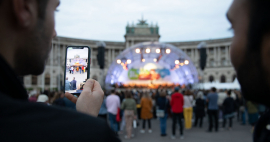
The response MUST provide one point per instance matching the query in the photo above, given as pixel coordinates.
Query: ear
(25, 12)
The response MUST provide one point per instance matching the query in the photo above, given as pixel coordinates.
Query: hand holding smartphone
(77, 68)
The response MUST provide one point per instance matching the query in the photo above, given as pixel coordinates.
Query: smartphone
(77, 68)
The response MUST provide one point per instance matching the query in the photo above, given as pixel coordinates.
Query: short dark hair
(213, 89)
(229, 92)
(128, 94)
(112, 91)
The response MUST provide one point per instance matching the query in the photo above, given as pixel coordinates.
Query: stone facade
(219, 67)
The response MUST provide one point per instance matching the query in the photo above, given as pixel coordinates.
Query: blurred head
(66, 78)
(163, 93)
(187, 93)
(200, 95)
(27, 29)
(43, 98)
(128, 95)
(213, 89)
(250, 20)
(229, 92)
(112, 91)
(73, 78)
(176, 89)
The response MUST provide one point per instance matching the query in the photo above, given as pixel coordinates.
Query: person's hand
(91, 98)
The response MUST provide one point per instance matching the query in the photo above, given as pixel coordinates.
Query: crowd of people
(77, 69)
(127, 108)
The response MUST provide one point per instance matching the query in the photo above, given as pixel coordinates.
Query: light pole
(203, 59)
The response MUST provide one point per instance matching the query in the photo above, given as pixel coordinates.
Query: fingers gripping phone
(77, 68)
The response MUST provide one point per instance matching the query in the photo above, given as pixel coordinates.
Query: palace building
(218, 68)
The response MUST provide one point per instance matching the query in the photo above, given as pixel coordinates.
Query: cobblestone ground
(240, 133)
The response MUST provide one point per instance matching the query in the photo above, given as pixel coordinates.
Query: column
(227, 48)
(43, 81)
(109, 56)
(132, 42)
(113, 56)
(219, 55)
(127, 43)
(215, 55)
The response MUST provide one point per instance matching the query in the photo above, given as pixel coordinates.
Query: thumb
(88, 86)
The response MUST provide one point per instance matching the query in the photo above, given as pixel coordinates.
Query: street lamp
(137, 50)
(147, 50)
(118, 61)
(128, 61)
(168, 51)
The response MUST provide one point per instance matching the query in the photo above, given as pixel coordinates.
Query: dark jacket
(163, 104)
(34, 122)
(228, 106)
(73, 84)
(200, 108)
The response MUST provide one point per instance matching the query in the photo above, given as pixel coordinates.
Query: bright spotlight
(137, 50)
(186, 62)
(168, 51)
(143, 60)
(128, 61)
(155, 60)
(176, 62)
(118, 61)
(157, 50)
(147, 50)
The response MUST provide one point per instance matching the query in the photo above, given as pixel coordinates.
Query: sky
(82, 52)
(178, 20)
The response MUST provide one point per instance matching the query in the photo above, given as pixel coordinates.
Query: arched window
(211, 78)
(234, 77)
(47, 79)
(222, 79)
(34, 80)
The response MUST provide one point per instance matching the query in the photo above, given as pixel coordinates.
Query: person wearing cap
(42, 98)
(177, 103)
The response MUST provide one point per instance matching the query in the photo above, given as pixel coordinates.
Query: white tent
(218, 85)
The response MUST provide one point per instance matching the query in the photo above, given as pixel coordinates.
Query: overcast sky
(179, 20)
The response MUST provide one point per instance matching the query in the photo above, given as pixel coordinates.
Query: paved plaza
(240, 133)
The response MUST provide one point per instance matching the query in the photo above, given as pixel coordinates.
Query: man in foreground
(250, 55)
(26, 32)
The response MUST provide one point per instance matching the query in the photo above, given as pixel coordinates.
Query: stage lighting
(128, 61)
(147, 50)
(186, 62)
(157, 50)
(143, 60)
(181, 64)
(176, 62)
(137, 50)
(122, 64)
(155, 60)
(168, 51)
(118, 61)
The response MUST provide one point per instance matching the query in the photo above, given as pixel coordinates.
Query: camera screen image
(76, 69)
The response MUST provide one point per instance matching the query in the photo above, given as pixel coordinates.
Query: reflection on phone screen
(76, 69)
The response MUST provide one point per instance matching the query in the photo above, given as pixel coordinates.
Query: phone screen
(77, 68)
